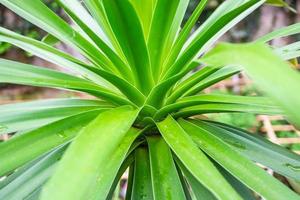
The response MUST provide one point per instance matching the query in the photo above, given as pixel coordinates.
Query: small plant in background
(147, 111)
(4, 47)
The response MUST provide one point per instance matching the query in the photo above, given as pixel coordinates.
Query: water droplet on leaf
(292, 167)
(61, 135)
(235, 144)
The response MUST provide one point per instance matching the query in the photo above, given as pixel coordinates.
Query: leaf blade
(15, 72)
(39, 14)
(142, 188)
(165, 179)
(195, 160)
(103, 130)
(127, 28)
(256, 148)
(242, 168)
(260, 68)
(23, 148)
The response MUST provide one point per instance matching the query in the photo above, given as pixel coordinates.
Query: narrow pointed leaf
(282, 32)
(243, 190)
(227, 108)
(50, 40)
(33, 178)
(48, 53)
(84, 164)
(189, 83)
(29, 115)
(239, 166)
(127, 88)
(81, 13)
(185, 33)
(163, 32)
(25, 147)
(112, 167)
(262, 64)
(18, 73)
(199, 190)
(127, 28)
(96, 8)
(121, 67)
(224, 8)
(125, 165)
(221, 98)
(289, 51)
(161, 90)
(144, 10)
(62, 59)
(219, 75)
(195, 160)
(281, 3)
(165, 179)
(213, 98)
(211, 34)
(142, 187)
(13, 176)
(39, 14)
(256, 148)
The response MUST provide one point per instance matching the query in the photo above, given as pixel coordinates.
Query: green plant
(22, 26)
(146, 113)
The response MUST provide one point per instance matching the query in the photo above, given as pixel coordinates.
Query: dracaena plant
(146, 114)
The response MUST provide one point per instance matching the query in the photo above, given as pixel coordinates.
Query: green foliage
(148, 110)
(4, 47)
(245, 121)
(26, 28)
(259, 69)
(280, 3)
